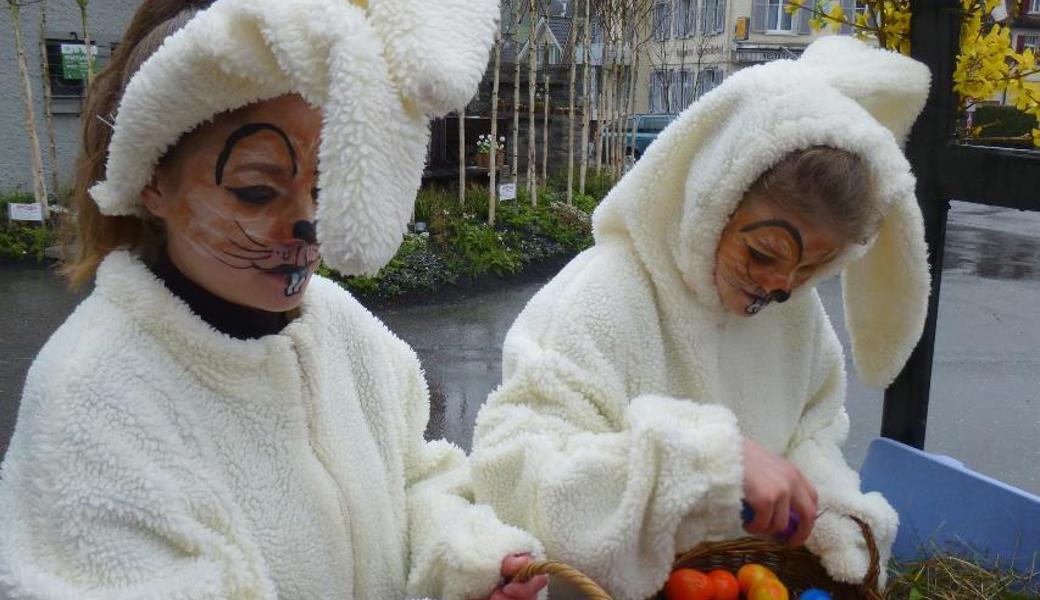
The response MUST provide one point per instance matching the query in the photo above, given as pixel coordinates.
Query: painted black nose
(780, 296)
(305, 231)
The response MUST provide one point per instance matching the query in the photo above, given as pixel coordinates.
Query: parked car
(647, 126)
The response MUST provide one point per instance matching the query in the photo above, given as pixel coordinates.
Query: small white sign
(25, 212)
(507, 191)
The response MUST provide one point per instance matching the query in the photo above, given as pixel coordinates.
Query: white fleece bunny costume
(157, 458)
(616, 434)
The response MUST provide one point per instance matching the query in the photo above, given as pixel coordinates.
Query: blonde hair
(825, 183)
(92, 234)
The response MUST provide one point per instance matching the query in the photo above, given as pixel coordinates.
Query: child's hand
(774, 487)
(518, 591)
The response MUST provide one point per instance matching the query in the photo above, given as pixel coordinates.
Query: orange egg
(689, 584)
(726, 585)
(750, 574)
(768, 589)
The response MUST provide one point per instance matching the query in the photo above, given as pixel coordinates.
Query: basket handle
(585, 585)
(870, 582)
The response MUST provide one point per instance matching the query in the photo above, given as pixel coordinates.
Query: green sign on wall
(74, 60)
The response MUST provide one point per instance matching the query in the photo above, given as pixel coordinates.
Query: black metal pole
(935, 30)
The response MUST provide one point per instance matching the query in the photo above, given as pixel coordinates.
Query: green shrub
(415, 268)
(480, 249)
(598, 183)
(461, 244)
(21, 240)
(586, 202)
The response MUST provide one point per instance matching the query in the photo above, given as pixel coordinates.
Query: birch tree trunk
(586, 101)
(48, 103)
(634, 78)
(493, 153)
(462, 157)
(616, 139)
(602, 101)
(516, 122)
(573, 57)
(545, 125)
(39, 185)
(532, 83)
(517, 20)
(86, 40)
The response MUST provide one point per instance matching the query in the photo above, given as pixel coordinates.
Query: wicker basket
(797, 568)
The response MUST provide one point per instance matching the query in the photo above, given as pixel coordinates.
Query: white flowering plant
(485, 141)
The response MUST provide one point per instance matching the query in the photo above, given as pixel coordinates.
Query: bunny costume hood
(677, 200)
(616, 436)
(377, 69)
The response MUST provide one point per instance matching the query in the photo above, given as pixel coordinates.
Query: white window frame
(778, 8)
(1030, 41)
(1034, 7)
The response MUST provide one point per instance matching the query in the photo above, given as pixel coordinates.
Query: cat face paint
(766, 252)
(238, 199)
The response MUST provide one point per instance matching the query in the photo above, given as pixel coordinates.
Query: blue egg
(814, 594)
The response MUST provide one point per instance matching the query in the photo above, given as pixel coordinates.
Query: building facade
(693, 45)
(62, 46)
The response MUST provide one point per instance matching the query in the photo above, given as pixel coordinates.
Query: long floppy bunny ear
(437, 50)
(886, 295)
(891, 87)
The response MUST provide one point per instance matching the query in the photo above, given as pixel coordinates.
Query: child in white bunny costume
(648, 383)
(215, 421)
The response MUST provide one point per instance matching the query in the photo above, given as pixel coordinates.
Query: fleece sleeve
(86, 516)
(816, 450)
(611, 486)
(456, 546)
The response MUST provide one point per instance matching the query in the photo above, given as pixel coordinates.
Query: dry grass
(947, 577)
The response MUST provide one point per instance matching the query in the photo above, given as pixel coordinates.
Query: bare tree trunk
(571, 41)
(48, 103)
(518, 18)
(516, 122)
(462, 157)
(86, 40)
(602, 102)
(545, 127)
(586, 102)
(39, 187)
(532, 82)
(633, 79)
(616, 107)
(493, 153)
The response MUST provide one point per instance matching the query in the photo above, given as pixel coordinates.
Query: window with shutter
(759, 8)
(778, 20)
(662, 21)
(720, 16)
(676, 91)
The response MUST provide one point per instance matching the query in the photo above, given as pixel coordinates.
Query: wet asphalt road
(985, 403)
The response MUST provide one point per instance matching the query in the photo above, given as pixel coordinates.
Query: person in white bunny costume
(216, 421)
(685, 363)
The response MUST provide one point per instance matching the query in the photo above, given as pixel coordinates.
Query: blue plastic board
(945, 506)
